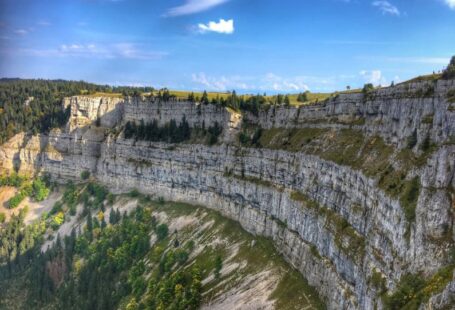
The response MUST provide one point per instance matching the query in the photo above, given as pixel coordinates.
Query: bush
(40, 191)
(12, 180)
(17, 199)
(161, 231)
(407, 289)
(449, 72)
(412, 140)
(70, 195)
(181, 256)
(367, 88)
(303, 97)
(409, 198)
(85, 175)
(2, 217)
(244, 139)
(218, 266)
(58, 220)
(214, 132)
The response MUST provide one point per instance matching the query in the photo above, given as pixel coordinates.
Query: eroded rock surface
(346, 228)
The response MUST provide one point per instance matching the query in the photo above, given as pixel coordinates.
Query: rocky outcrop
(332, 222)
(394, 113)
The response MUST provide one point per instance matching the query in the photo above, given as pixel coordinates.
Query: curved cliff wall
(333, 222)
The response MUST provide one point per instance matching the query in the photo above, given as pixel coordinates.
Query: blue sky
(248, 45)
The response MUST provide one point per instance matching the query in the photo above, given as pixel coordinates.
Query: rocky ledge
(343, 225)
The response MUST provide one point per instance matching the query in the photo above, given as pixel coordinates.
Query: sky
(252, 46)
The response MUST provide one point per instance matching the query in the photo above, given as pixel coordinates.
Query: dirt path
(35, 209)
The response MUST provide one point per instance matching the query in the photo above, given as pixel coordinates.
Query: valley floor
(236, 270)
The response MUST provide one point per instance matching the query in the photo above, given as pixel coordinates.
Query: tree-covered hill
(36, 105)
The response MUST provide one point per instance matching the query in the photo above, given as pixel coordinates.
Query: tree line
(36, 105)
(170, 132)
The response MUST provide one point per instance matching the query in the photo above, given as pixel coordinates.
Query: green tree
(40, 191)
(205, 98)
(367, 88)
(218, 266)
(85, 175)
(303, 97)
(161, 231)
(449, 72)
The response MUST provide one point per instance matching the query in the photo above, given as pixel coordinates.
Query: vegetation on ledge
(346, 238)
(171, 132)
(349, 147)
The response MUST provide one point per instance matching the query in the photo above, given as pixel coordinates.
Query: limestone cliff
(333, 220)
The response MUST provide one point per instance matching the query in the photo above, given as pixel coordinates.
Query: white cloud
(222, 83)
(451, 3)
(44, 23)
(387, 8)
(375, 77)
(193, 6)
(278, 83)
(223, 26)
(21, 32)
(111, 51)
(267, 82)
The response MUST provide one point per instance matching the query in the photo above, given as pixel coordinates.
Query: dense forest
(36, 105)
(101, 263)
(171, 132)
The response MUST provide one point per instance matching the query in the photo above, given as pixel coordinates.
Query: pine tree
(287, 102)
(205, 98)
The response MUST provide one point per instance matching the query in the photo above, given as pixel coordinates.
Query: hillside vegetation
(128, 251)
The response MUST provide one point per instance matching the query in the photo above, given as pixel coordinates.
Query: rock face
(394, 113)
(345, 231)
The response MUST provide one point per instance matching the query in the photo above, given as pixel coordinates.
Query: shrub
(407, 289)
(214, 132)
(412, 140)
(70, 195)
(40, 191)
(2, 217)
(161, 231)
(181, 256)
(12, 180)
(244, 139)
(58, 220)
(449, 72)
(256, 137)
(409, 198)
(17, 199)
(85, 175)
(134, 193)
(218, 266)
(367, 88)
(303, 97)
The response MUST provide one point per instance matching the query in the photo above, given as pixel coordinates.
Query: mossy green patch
(414, 289)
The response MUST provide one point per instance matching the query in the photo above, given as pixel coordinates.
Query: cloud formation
(111, 51)
(223, 26)
(193, 6)
(388, 8)
(21, 32)
(267, 82)
(374, 77)
(450, 3)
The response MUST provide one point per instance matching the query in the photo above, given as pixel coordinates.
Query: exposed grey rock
(254, 186)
